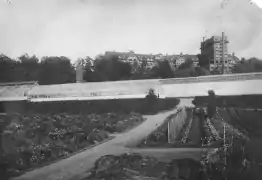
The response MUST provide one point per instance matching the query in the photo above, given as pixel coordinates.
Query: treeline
(248, 65)
(243, 66)
(50, 70)
(59, 70)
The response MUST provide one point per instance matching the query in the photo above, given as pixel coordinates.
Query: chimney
(79, 72)
(223, 53)
(233, 54)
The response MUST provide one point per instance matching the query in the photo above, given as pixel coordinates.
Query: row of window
(216, 62)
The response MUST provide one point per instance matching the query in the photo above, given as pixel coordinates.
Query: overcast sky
(77, 28)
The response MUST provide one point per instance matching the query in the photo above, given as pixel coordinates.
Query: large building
(213, 49)
(152, 60)
(232, 61)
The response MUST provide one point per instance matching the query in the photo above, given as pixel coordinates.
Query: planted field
(160, 136)
(35, 140)
(231, 154)
(189, 135)
(196, 131)
(138, 167)
(135, 166)
(248, 125)
(248, 121)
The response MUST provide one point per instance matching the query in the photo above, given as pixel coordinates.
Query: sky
(78, 28)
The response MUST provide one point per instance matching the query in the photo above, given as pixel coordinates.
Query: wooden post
(223, 53)
(225, 151)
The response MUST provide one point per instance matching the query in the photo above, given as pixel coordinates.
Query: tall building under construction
(215, 49)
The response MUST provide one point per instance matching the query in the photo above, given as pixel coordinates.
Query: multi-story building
(232, 61)
(176, 60)
(132, 58)
(151, 60)
(213, 49)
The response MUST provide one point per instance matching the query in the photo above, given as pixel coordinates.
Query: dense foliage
(250, 65)
(103, 68)
(135, 166)
(33, 140)
(237, 157)
(211, 108)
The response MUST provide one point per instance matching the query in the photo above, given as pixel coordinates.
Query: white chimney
(79, 72)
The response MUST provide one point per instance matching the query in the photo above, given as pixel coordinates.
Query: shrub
(211, 109)
(151, 101)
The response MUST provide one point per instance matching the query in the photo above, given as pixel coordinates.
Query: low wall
(227, 88)
(96, 90)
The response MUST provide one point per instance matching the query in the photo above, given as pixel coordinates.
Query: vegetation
(191, 133)
(34, 140)
(211, 108)
(151, 100)
(103, 68)
(136, 166)
(232, 159)
(244, 101)
(247, 66)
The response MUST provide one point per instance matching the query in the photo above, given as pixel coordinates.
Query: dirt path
(194, 136)
(75, 167)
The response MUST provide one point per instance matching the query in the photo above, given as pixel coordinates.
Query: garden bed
(35, 140)
(159, 138)
(135, 166)
(247, 121)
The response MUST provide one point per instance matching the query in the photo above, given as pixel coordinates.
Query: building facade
(150, 60)
(213, 49)
(176, 60)
(232, 62)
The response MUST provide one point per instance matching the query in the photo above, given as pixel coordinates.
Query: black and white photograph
(130, 89)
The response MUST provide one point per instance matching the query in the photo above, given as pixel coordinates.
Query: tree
(163, 70)
(217, 69)
(6, 69)
(180, 73)
(187, 64)
(203, 60)
(211, 109)
(28, 68)
(56, 70)
(201, 71)
(151, 101)
(90, 75)
(141, 71)
(247, 66)
(110, 68)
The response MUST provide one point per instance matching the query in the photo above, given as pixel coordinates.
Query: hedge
(99, 106)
